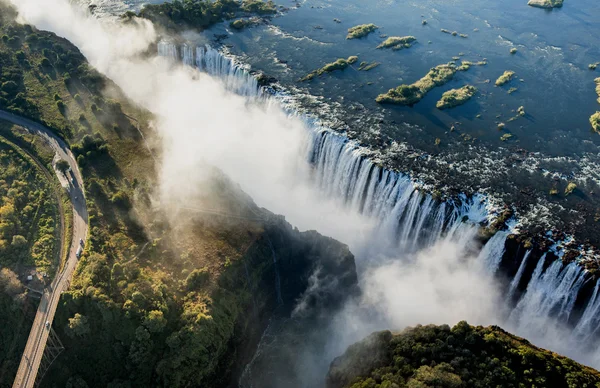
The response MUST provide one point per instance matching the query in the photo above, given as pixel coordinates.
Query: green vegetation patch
(597, 81)
(595, 121)
(461, 356)
(361, 31)
(240, 24)
(339, 64)
(29, 219)
(398, 42)
(456, 97)
(505, 78)
(259, 7)
(545, 3)
(413, 93)
(366, 66)
(570, 188)
(466, 65)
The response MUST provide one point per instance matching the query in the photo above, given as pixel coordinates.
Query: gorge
(416, 255)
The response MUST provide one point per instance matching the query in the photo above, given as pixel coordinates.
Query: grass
(570, 188)
(398, 42)
(456, 97)
(413, 93)
(505, 78)
(361, 31)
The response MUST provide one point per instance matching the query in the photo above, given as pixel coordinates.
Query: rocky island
(413, 93)
(456, 97)
(398, 42)
(340, 64)
(545, 3)
(361, 31)
(505, 78)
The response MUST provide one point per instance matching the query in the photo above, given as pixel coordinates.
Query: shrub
(197, 279)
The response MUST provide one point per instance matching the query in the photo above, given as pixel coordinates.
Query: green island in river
(339, 64)
(413, 93)
(456, 97)
(361, 31)
(398, 42)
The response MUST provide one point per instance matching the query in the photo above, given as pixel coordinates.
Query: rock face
(545, 3)
(462, 356)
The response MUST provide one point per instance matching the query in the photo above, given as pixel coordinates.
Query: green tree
(63, 166)
(197, 279)
(155, 321)
(78, 325)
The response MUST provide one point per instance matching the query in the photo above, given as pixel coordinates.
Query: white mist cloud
(263, 150)
(259, 147)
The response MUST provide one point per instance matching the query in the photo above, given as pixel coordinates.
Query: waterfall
(168, 50)
(235, 78)
(590, 319)
(410, 218)
(187, 55)
(550, 293)
(517, 279)
(492, 252)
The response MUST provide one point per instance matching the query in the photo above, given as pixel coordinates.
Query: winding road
(38, 336)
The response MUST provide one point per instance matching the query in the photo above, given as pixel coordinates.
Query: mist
(263, 149)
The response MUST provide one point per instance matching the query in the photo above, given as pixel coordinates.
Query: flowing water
(410, 220)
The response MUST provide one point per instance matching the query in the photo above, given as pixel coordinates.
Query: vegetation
(506, 137)
(17, 313)
(29, 217)
(546, 3)
(413, 93)
(240, 24)
(366, 66)
(339, 64)
(595, 121)
(454, 33)
(505, 78)
(456, 97)
(23, 186)
(155, 300)
(513, 50)
(361, 31)
(462, 356)
(466, 65)
(201, 14)
(597, 82)
(398, 42)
